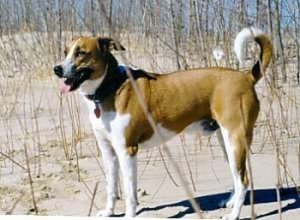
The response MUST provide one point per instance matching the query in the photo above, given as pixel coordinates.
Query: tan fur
(92, 56)
(267, 50)
(198, 93)
(179, 99)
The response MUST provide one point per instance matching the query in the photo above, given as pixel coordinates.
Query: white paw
(104, 213)
(230, 202)
(229, 217)
(130, 214)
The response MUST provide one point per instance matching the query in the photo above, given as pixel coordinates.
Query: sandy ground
(59, 192)
(34, 116)
(65, 187)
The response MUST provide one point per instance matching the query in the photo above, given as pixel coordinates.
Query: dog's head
(86, 63)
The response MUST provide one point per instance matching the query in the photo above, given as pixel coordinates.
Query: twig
(299, 163)
(15, 204)
(150, 119)
(187, 163)
(12, 160)
(253, 214)
(164, 147)
(279, 200)
(93, 198)
(166, 167)
(30, 180)
(247, 146)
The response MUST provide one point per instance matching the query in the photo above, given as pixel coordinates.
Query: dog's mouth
(68, 84)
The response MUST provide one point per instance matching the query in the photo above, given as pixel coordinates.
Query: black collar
(110, 84)
(113, 80)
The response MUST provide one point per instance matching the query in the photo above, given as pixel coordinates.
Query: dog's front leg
(111, 168)
(128, 165)
(127, 162)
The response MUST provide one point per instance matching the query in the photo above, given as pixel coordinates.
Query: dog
(211, 99)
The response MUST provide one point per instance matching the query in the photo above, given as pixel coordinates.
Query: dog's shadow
(217, 201)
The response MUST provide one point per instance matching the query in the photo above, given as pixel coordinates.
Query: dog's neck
(115, 76)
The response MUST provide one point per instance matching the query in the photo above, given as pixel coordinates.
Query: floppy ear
(108, 44)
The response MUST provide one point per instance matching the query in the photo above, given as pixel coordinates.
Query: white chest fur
(110, 125)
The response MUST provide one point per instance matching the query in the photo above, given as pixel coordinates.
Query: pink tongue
(63, 87)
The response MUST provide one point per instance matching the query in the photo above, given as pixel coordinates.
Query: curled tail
(266, 49)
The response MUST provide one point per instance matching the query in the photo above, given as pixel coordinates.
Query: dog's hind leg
(111, 168)
(236, 152)
(221, 142)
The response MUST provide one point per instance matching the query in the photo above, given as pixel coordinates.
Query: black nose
(58, 70)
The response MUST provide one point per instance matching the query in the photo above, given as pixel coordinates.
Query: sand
(65, 163)
(63, 188)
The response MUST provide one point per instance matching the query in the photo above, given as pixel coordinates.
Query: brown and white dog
(210, 99)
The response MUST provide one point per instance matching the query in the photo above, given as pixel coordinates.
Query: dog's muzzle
(72, 81)
(67, 71)
(58, 70)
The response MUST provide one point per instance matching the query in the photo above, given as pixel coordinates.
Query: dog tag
(97, 111)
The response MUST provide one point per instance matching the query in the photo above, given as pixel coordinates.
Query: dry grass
(45, 137)
(34, 115)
